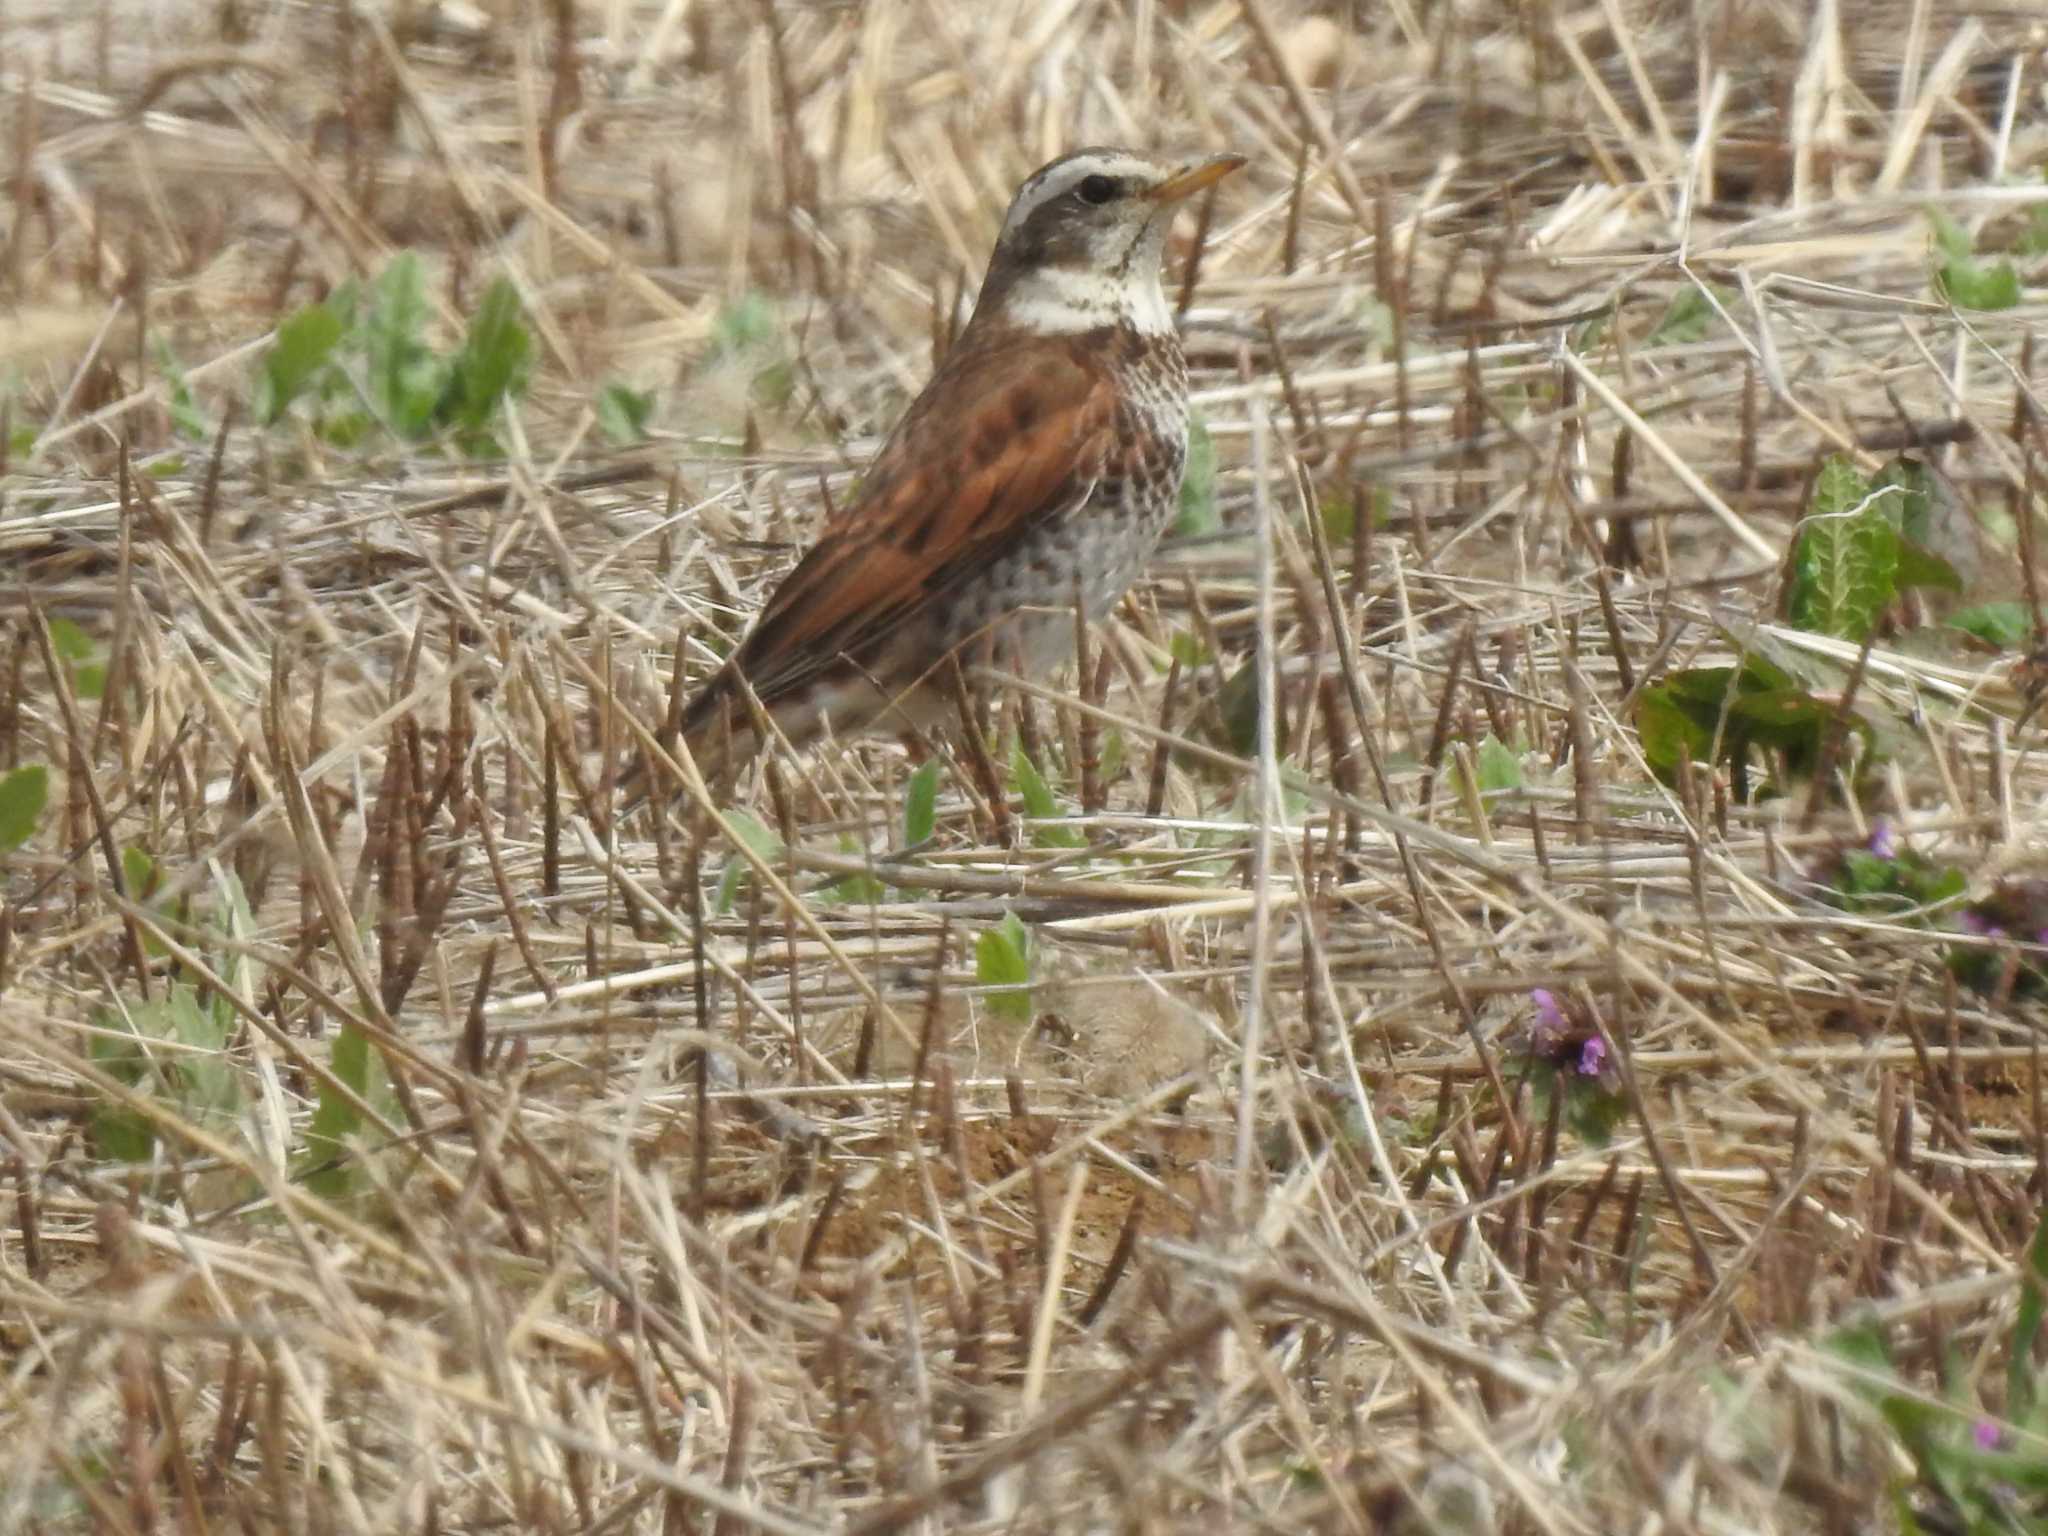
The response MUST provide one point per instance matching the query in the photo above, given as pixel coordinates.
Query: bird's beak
(1190, 179)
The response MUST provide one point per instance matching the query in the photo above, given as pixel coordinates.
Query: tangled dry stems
(1255, 1221)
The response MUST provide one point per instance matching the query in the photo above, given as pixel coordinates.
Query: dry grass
(1260, 1221)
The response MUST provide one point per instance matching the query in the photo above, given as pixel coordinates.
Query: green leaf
(336, 1117)
(69, 641)
(138, 873)
(1040, 803)
(1845, 567)
(2003, 625)
(74, 645)
(855, 890)
(745, 324)
(491, 362)
(756, 837)
(1970, 284)
(1963, 279)
(1910, 499)
(1689, 315)
(921, 804)
(1670, 729)
(1950, 238)
(405, 380)
(1590, 1110)
(23, 794)
(304, 342)
(1920, 566)
(1498, 767)
(2033, 239)
(1198, 513)
(2026, 1328)
(1238, 702)
(1186, 649)
(1002, 959)
(187, 420)
(119, 1133)
(622, 412)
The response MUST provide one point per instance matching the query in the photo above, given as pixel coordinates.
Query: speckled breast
(1026, 602)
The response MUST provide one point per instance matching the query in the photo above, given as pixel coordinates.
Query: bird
(1037, 469)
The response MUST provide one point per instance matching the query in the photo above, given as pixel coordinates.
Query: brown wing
(1003, 438)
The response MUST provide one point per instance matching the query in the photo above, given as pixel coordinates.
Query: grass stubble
(701, 1182)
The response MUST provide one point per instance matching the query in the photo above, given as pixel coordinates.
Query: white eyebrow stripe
(1063, 175)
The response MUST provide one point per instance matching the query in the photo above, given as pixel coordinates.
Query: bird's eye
(1097, 189)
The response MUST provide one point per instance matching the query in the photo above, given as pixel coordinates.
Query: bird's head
(1082, 242)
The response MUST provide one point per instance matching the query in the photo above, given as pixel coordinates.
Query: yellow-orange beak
(1191, 179)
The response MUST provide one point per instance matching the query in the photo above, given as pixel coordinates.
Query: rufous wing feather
(1004, 438)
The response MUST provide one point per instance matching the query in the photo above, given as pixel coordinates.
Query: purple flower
(1550, 1021)
(1884, 839)
(1987, 1434)
(1974, 922)
(1592, 1057)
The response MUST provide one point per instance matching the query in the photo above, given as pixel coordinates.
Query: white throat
(1063, 300)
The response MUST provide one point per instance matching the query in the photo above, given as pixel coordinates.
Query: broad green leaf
(1909, 501)
(1971, 284)
(920, 804)
(1198, 513)
(1002, 959)
(1670, 729)
(405, 379)
(1920, 566)
(1845, 567)
(2004, 625)
(622, 412)
(208, 1080)
(1962, 277)
(756, 837)
(23, 794)
(304, 343)
(1592, 1111)
(119, 1133)
(1497, 766)
(491, 362)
